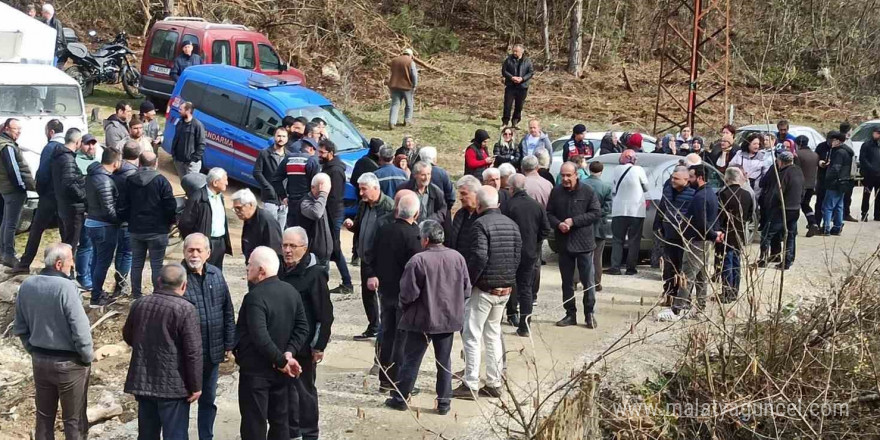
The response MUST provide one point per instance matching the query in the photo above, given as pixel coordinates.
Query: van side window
(223, 104)
(221, 53)
(268, 58)
(163, 44)
(193, 91)
(244, 55)
(262, 120)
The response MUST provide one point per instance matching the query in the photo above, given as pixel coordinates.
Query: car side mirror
(282, 67)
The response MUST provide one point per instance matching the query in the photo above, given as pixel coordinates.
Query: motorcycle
(112, 63)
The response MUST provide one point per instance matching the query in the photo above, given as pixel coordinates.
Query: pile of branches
(781, 371)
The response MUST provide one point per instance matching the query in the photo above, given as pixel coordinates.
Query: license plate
(160, 69)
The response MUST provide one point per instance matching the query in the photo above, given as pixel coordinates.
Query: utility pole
(694, 65)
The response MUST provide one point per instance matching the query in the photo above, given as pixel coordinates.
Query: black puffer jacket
(531, 218)
(101, 195)
(166, 348)
(197, 216)
(210, 294)
(460, 231)
(580, 205)
(495, 252)
(335, 199)
(310, 279)
(69, 182)
(147, 203)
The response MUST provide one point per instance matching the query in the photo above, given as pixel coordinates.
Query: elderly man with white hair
(205, 213)
(374, 210)
(399, 241)
(459, 233)
(439, 176)
(315, 221)
(260, 226)
(272, 327)
(536, 186)
(207, 290)
(51, 20)
(494, 256)
(54, 329)
(301, 269)
(492, 177)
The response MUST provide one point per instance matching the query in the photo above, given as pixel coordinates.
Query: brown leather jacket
(403, 73)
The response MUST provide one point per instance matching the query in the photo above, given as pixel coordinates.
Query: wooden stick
(106, 316)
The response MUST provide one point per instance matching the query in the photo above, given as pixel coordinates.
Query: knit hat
(375, 145)
(876, 129)
(579, 129)
(480, 136)
(186, 43)
(628, 156)
(785, 156)
(635, 141)
(147, 107)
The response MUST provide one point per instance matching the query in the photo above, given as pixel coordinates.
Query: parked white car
(649, 143)
(815, 137)
(35, 94)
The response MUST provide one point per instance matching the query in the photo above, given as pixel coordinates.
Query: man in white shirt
(629, 189)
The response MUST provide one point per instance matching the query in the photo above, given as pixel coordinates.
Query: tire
(130, 81)
(87, 87)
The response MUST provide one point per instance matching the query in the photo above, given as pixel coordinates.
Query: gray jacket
(50, 319)
(115, 132)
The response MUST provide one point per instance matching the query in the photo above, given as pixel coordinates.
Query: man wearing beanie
(577, 146)
(151, 124)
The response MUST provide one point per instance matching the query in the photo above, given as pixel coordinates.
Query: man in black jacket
(459, 237)
(165, 372)
(808, 161)
(838, 181)
(301, 270)
(205, 212)
(264, 173)
(70, 188)
(297, 169)
(869, 165)
(47, 207)
(573, 210)
(517, 72)
(102, 224)
(314, 219)
(188, 145)
(783, 203)
(259, 227)
(272, 327)
(207, 290)
(335, 169)
(440, 177)
(185, 59)
(148, 205)
(399, 241)
(534, 227)
(15, 181)
(366, 164)
(432, 205)
(492, 262)
(130, 153)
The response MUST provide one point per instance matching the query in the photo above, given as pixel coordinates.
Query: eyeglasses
(508, 134)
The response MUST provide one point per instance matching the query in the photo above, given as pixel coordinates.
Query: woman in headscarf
(667, 145)
(476, 156)
(401, 160)
(408, 146)
(610, 144)
(506, 150)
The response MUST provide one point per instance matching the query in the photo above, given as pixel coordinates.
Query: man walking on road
(492, 262)
(207, 290)
(54, 329)
(188, 145)
(517, 72)
(165, 372)
(402, 86)
(259, 228)
(629, 188)
(434, 284)
(149, 207)
(272, 327)
(573, 211)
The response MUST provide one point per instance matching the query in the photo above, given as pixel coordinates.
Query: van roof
(199, 23)
(33, 74)
(288, 96)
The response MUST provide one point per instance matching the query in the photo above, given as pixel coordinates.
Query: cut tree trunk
(575, 40)
(548, 60)
(169, 8)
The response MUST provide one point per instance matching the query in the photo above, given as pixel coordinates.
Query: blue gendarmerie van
(240, 110)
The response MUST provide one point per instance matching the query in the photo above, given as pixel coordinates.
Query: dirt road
(351, 406)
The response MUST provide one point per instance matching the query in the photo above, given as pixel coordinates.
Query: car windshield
(340, 130)
(27, 100)
(863, 134)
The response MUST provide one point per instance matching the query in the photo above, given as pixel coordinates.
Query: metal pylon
(694, 65)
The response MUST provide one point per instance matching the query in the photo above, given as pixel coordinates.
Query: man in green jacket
(15, 181)
(601, 230)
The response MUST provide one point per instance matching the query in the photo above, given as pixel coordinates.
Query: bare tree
(169, 8)
(574, 42)
(548, 60)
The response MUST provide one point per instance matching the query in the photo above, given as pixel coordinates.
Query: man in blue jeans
(838, 180)
(130, 160)
(148, 205)
(207, 290)
(102, 224)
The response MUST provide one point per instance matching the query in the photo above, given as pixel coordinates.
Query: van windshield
(29, 100)
(340, 130)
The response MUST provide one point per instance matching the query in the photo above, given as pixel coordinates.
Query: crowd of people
(426, 272)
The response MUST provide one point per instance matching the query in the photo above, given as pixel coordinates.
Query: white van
(35, 94)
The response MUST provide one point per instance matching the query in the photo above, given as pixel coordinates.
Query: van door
(222, 112)
(245, 57)
(259, 133)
